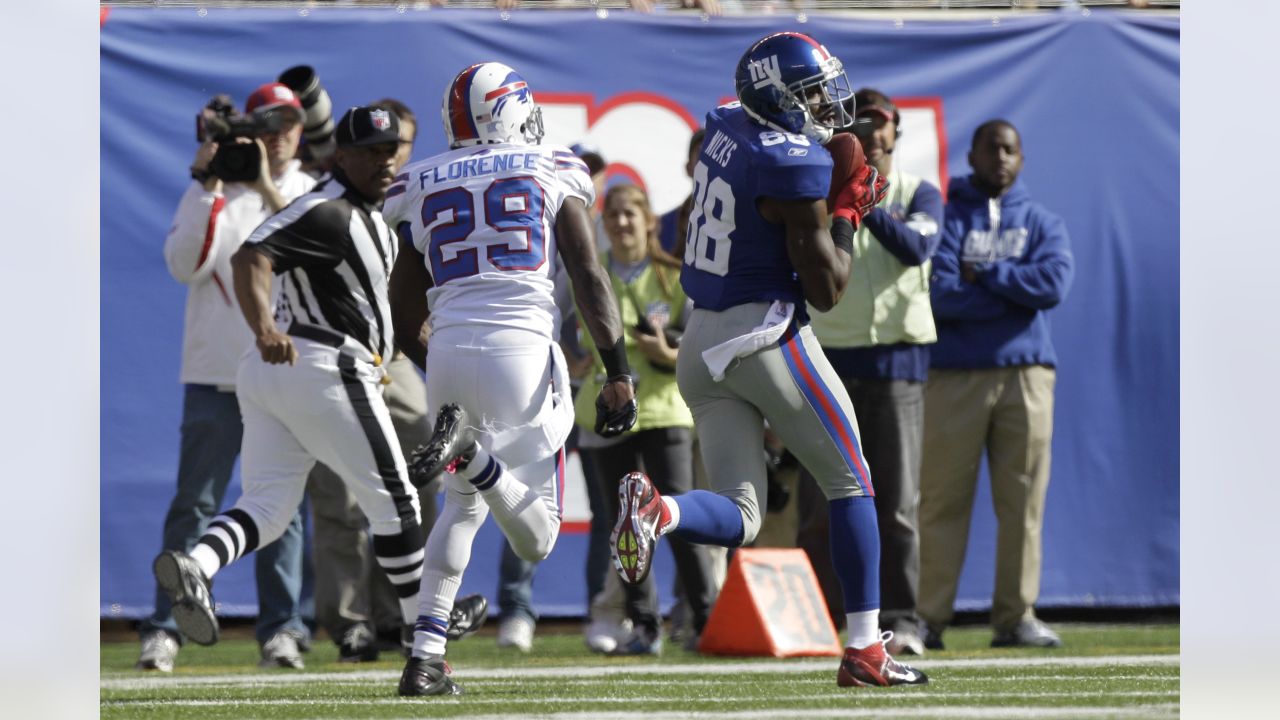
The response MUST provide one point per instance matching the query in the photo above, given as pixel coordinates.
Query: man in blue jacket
(1003, 263)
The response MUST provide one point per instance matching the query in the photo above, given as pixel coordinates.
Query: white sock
(674, 509)
(479, 461)
(864, 628)
(435, 601)
(207, 559)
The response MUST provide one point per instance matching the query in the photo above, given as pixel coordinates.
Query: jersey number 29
(711, 224)
(510, 205)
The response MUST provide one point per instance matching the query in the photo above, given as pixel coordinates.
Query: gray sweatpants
(791, 385)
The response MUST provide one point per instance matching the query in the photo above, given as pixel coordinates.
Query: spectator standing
(877, 339)
(1004, 262)
(212, 221)
(653, 305)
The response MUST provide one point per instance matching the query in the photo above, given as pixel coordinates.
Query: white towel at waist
(765, 334)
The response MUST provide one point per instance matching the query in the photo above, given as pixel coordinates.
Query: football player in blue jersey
(761, 243)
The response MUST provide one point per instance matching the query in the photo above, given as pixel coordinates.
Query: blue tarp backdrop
(1095, 96)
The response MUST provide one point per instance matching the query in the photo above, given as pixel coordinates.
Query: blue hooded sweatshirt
(1024, 266)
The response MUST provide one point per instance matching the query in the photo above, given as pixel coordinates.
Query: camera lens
(318, 127)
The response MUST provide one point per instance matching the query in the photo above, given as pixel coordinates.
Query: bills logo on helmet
(380, 119)
(513, 87)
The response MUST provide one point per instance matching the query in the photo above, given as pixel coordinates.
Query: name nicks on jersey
(732, 254)
(720, 148)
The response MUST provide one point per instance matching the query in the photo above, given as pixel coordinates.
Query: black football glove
(612, 423)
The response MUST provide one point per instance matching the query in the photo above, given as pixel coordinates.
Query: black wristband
(615, 361)
(201, 176)
(842, 234)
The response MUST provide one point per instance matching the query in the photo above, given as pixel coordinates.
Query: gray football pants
(791, 385)
(892, 424)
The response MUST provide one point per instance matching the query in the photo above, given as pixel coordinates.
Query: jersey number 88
(711, 224)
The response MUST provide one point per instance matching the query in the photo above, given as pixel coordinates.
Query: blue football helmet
(790, 83)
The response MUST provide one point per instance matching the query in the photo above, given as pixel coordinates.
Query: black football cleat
(451, 446)
(468, 615)
(188, 589)
(421, 678)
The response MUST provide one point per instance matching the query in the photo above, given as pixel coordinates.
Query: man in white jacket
(213, 219)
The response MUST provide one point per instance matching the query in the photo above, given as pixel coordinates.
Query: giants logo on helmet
(765, 71)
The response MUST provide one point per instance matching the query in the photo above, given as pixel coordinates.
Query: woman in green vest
(653, 306)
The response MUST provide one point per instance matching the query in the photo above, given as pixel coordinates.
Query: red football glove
(864, 192)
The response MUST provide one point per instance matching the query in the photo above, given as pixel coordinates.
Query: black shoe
(188, 589)
(421, 677)
(452, 445)
(358, 645)
(468, 615)
(933, 638)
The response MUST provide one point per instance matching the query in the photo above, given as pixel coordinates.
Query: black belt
(324, 336)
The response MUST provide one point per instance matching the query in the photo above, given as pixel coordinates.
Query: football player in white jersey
(484, 227)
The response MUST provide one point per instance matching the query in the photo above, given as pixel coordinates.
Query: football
(847, 157)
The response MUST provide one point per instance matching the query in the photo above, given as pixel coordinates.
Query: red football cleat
(641, 519)
(873, 666)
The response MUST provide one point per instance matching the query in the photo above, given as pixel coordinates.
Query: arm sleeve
(914, 240)
(393, 208)
(951, 297)
(308, 232)
(573, 175)
(191, 245)
(1039, 279)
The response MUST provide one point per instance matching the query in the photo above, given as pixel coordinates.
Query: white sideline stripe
(348, 680)
(1070, 713)
(999, 713)
(909, 695)
(674, 670)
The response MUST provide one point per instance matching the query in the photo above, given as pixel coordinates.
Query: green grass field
(1105, 671)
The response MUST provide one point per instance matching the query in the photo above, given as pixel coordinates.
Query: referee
(312, 391)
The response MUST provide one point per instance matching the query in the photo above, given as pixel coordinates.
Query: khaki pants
(1009, 413)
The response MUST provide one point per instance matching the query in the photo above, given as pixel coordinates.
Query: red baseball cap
(873, 102)
(273, 95)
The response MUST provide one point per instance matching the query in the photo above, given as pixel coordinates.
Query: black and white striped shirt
(334, 253)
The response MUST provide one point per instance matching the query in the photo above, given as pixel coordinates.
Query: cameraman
(212, 221)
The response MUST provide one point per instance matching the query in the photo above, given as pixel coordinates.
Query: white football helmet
(490, 103)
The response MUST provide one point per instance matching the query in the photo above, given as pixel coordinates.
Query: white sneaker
(516, 632)
(159, 648)
(281, 651)
(905, 641)
(603, 634)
